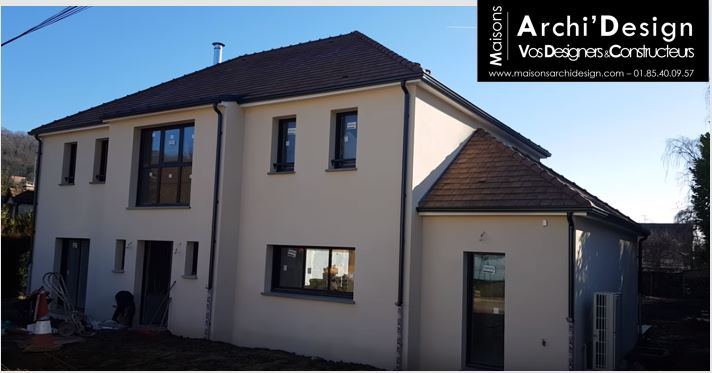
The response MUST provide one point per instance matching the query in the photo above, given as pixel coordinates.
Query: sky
(607, 137)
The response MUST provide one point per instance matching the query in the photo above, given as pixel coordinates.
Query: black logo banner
(625, 41)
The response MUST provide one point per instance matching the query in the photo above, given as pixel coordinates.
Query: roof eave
(236, 98)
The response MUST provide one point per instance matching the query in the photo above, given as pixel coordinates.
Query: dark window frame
(338, 160)
(276, 270)
(281, 164)
(70, 177)
(179, 164)
(194, 263)
(103, 159)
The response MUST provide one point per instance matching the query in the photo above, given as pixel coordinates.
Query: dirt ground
(679, 338)
(129, 350)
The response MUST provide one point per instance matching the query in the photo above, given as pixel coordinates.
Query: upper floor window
(69, 165)
(286, 142)
(345, 137)
(101, 156)
(166, 165)
(320, 271)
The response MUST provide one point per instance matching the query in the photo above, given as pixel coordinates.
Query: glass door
(485, 316)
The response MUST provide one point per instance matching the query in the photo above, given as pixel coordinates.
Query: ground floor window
(309, 270)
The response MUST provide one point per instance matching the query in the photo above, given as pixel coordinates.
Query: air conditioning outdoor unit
(606, 313)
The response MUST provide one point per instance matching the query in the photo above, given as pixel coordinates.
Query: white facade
(318, 207)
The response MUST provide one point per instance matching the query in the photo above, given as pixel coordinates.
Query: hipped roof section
(490, 176)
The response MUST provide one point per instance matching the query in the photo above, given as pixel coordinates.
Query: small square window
(191, 259)
(345, 139)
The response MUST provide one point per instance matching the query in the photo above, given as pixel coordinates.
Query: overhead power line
(64, 13)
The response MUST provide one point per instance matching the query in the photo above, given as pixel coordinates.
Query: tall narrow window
(191, 259)
(325, 271)
(119, 256)
(101, 156)
(70, 163)
(345, 140)
(286, 142)
(166, 165)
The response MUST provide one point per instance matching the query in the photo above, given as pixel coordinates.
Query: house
(19, 197)
(350, 206)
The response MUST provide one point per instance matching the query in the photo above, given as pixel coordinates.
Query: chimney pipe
(217, 52)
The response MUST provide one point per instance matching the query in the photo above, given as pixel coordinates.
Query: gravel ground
(128, 350)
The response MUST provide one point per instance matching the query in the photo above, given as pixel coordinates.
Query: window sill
(280, 172)
(65, 184)
(341, 169)
(117, 270)
(308, 297)
(190, 277)
(158, 208)
(97, 182)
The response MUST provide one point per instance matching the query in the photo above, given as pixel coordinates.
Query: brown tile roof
(489, 176)
(335, 63)
(339, 62)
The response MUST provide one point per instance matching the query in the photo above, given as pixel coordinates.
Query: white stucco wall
(535, 288)
(102, 213)
(606, 261)
(312, 207)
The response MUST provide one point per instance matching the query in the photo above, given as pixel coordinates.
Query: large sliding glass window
(166, 165)
(321, 271)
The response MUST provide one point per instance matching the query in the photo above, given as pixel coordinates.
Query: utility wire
(64, 13)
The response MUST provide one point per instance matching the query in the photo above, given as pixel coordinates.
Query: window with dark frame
(345, 138)
(120, 256)
(103, 158)
(166, 166)
(191, 259)
(286, 142)
(71, 166)
(314, 270)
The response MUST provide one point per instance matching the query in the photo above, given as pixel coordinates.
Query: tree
(19, 151)
(700, 188)
(694, 156)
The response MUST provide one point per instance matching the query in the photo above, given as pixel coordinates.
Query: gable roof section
(489, 176)
(340, 62)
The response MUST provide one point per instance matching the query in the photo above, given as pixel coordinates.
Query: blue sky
(607, 137)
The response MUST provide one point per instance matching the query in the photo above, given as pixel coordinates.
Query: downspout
(401, 241)
(38, 164)
(214, 225)
(640, 282)
(572, 284)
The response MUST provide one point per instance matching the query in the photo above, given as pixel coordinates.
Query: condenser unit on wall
(606, 313)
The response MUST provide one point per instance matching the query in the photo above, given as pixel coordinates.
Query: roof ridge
(193, 73)
(414, 66)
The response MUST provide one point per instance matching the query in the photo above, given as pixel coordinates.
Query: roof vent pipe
(217, 52)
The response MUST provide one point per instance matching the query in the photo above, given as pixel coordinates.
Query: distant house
(347, 205)
(19, 197)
